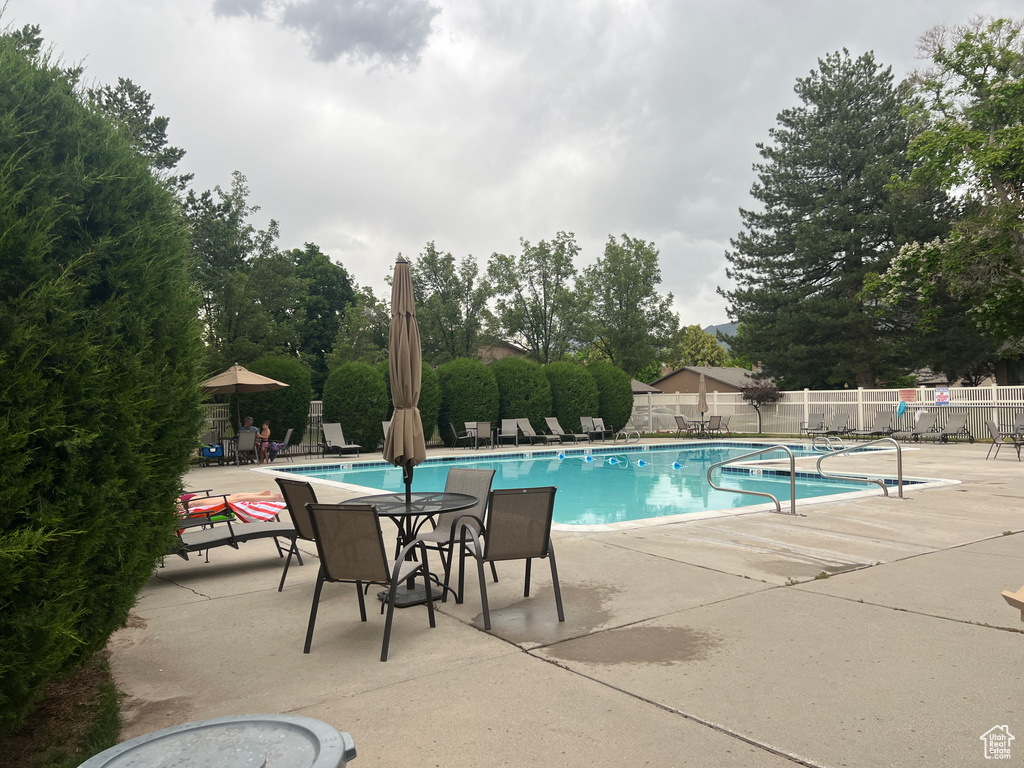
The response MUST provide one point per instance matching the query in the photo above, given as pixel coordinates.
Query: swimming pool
(600, 486)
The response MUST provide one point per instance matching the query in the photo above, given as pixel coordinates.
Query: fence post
(860, 408)
(807, 405)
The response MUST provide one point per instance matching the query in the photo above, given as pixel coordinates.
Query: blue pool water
(609, 485)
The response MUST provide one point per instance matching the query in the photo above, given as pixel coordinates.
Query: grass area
(79, 717)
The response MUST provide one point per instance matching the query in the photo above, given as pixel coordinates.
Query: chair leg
(428, 587)
(387, 622)
(287, 562)
(313, 609)
(554, 582)
(494, 572)
(483, 593)
(526, 589)
(362, 602)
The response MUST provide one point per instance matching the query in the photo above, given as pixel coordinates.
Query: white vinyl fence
(655, 413)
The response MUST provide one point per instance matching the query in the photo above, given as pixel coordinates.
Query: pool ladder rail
(831, 475)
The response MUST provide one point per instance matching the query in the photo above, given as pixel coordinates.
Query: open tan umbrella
(237, 380)
(702, 397)
(404, 446)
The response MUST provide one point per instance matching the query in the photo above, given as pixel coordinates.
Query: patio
(706, 643)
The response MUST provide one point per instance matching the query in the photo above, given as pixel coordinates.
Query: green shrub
(99, 397)
(523, 391)
(356, 396)
(469, 392)
(614, 394)
(284, 408)
(430, 401)
(573, 394)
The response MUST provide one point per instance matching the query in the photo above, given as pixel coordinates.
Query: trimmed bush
(523, 391)
(356, 396)
(614, 394)
(469, 392)
(430, 401)
(573, 394)
(284, 408)
(99, 396)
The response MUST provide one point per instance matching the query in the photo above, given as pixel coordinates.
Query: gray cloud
(238, 7)
(393, 31)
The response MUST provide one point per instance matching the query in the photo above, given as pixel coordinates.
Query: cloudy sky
(371, 127)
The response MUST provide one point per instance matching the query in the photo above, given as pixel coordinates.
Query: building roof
(734, 377)
(639, 388)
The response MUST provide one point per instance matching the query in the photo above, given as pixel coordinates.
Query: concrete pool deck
(705, 643)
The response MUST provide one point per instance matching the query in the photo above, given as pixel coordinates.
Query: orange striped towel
(257, 511)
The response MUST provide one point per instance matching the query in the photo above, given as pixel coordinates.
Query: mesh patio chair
(297, 494)
(518, 527)
(334, 440)
(531, 434)
(556, 431)
(351, 549)
(714, 425)
(245, 448)
(599, 428)
(683, 425)
(465, 437)
(475, 482)
(999, 439)
(480, 432)
(837, 425)
(724, 426)
(509, 431)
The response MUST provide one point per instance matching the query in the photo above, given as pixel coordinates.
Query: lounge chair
(518, 527)
(956, 425)
(556, 431)
(815, 423)
(882, 426)
(528, 431)
(206, 526)
(334, 440)
(475, 482)
(509, 431)
(999, 439)
(836, 426)
(297, 494)
(465, 437)
(351, 548)
(925, 424)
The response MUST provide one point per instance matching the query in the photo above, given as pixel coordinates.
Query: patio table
(406, 516)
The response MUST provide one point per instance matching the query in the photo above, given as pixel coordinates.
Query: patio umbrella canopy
(702, 396)
(404, 446)
(238, 380)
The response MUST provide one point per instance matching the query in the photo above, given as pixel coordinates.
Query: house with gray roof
(687, 379)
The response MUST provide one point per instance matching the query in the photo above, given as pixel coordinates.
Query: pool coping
(918, 483)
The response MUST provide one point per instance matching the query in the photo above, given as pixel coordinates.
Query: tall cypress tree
(828, 216)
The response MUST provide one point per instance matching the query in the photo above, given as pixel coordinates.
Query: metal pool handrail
(880, 483)
(792, 477)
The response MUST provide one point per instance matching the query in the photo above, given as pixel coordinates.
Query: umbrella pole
(407, 476)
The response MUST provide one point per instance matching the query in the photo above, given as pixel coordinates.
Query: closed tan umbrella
(237, 380)
(404, 446)
(702, 397)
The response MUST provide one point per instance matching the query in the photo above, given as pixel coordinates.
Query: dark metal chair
(351, 549)
(999, 439)
(466, 437)
(509, 431)
(518, 527)
(297, 494)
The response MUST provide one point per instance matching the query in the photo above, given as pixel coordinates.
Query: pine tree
(828, 216)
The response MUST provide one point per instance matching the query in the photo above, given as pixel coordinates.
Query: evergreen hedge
(523, 391)
(356, 396)
(284, 408)
(614, 394)
(469, 392)
(99, 397)
(573, 394)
